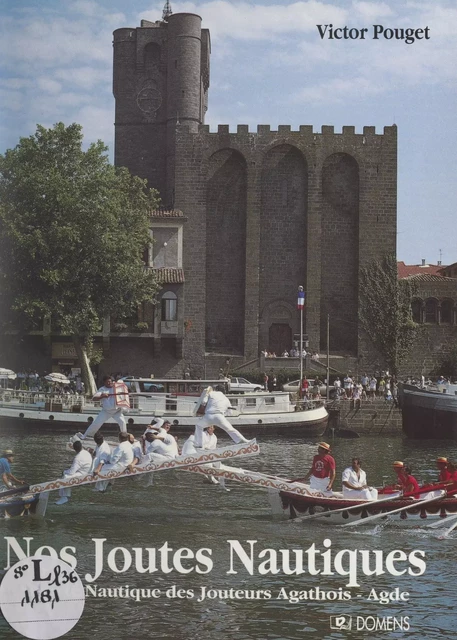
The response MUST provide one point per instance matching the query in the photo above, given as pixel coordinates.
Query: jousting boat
(294, 499)
(32, 499)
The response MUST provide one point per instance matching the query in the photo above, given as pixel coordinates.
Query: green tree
(385, 312)
(73, 229)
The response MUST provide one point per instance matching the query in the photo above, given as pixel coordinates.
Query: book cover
(180, 557)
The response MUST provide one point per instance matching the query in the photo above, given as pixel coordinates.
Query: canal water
(230, 536)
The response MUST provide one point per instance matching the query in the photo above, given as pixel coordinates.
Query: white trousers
(66, 493)
(319, 484)
(103, 484)
(360, 494)
(104, 416)
(218, 420)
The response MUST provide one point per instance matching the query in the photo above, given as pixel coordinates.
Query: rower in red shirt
(405, 479)
(442, 464)
(322, 472)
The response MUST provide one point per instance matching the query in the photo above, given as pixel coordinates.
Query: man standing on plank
(114, 398)
(212, 407)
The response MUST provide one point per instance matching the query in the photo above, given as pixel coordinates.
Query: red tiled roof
(169, 275)
(406, 270)
(429, 277)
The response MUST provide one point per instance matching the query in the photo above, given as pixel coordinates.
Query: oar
(448, 531)
(11, 492)
(330, 512)
(390, 513)
(441, 521)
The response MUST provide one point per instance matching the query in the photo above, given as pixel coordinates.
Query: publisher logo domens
(370, 623)
(341, 622)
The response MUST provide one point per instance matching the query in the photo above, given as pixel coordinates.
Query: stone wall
(373, 418)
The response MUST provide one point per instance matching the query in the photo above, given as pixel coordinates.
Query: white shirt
(216, 402)
(122, 454)
(107, 403)
(349, 475)
(137, 450)
(82, 463)
(209, 441)
(102, 454)
(159, 446)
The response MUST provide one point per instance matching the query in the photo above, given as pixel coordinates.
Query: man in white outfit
(102, 456)
(112, 407)
(81, 466)
(160, 446)
(355, 483)
(212, 407)
(121, 458)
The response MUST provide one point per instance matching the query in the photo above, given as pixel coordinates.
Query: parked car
(294, 386)
(239, 385)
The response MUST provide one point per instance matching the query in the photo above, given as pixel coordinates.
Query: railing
(9, 397)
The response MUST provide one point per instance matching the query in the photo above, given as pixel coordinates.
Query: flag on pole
(301, 299)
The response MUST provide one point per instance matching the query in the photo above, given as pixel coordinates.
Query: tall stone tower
(161, 80)
(262, 212)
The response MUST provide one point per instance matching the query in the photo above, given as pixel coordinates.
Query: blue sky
(268, 66)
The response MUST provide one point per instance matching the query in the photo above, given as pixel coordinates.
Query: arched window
(416, 307)
(169, 306)
(431, 309)
(151, 55)
(446, 311)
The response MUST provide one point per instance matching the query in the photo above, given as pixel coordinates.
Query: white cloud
(338, 90)
(372, 10)
(48, 85)
(84, 77)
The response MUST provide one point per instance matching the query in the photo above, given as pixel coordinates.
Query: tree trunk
(86, 372)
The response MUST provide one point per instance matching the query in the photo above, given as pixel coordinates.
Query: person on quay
(81, 466)
(114, 398)
(121, 458)
(9, 481)
(304, 388)
(442, 464)
(354, 482)
(212, 407)
(322, 473)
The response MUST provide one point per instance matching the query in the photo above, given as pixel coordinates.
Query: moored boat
(28, 504)
(429, 413)
(257, 413)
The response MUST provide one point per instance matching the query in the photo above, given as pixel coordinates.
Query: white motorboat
(259, 413)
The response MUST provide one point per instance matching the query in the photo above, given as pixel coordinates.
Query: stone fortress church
(247, 216)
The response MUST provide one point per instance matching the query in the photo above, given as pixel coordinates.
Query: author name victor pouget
(244, 556)
(375, 32)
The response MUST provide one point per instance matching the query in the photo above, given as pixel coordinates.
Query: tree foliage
(385, 312)
(72, 230)
(448, 365)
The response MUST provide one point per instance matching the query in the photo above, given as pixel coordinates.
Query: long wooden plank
(203, 457)
(255, 478)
